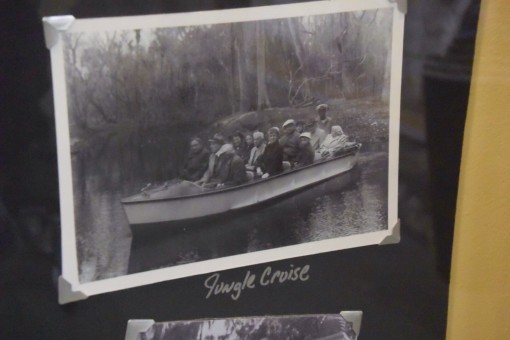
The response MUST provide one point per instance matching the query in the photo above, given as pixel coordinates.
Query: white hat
(306, 134)
(275, 129)
(258, 134)
(321, 106)
(288, 122)
(337, 129)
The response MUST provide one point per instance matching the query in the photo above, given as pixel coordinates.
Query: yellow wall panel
(479, 301)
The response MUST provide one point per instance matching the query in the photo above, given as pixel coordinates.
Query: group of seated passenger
(244, 157)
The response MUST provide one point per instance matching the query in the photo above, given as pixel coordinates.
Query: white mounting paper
(70, 286)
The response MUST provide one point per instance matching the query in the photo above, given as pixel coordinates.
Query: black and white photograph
(197, 142)
(294, 327)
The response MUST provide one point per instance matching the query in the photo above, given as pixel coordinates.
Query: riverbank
(367, 120)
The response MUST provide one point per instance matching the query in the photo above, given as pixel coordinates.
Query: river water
(118, 166)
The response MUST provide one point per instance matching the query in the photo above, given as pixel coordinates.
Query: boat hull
(234, 198)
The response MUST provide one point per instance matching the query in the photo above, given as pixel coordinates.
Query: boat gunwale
(352, 150)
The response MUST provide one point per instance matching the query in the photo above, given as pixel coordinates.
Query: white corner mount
(67, 294)
(394, 237)
(53, 26)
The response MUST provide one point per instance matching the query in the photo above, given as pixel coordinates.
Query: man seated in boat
(215, 145)
(230, 170)
(196, 161)
(317, 134)
(270, 162)
(306, 154)
(225, 167)
(323, 120)
(290, 141)
(259, 144)
(335, 141)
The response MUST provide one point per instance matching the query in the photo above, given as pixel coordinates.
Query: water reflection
(351, 203)
(345, 205)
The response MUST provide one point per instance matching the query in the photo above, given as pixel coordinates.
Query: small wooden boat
(156, 205)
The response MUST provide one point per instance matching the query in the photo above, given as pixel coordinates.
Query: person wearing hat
(196, 162)
(270, 162)
(230, 170)
(290, 141)
(306, 154)
(317, 134)
(225, 168)
(323, 120)
(215, 144)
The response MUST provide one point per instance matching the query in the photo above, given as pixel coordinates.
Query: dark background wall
(402, 288)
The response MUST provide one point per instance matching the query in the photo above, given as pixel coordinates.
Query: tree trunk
(231, 83)
(296, 41)
(262, 96)
(299, 51)
(240, 56)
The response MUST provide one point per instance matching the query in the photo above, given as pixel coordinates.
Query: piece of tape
(53, 26)
(355, 318)
(394, 237)
(401, 5)
(135, 327)
(66, 293)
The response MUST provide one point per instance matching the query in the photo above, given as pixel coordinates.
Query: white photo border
(136, 326)
(70, 288)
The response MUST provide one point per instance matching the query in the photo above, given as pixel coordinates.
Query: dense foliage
(203, 73)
